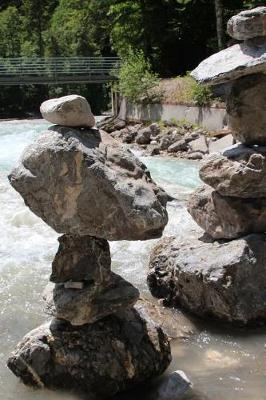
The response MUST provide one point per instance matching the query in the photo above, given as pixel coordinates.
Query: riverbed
(223, 363)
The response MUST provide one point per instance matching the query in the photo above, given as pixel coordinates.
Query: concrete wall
(208, 117)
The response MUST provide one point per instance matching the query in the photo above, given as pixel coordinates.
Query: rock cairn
(82, 184)
(224, 278)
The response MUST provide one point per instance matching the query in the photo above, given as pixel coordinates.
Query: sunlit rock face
(81, 183)
(248, 24)
(224, 279)
(99, 359)
(70, 110)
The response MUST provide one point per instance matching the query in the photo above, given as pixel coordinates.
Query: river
(223, 363)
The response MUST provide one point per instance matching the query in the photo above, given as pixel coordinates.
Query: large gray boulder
(246, 108)
(227, 217)
(70, 110)
(248, 24)
(226, 280)
(98, 360)
(80, 182)
(90, 303)
(232, 63)
(239, 171)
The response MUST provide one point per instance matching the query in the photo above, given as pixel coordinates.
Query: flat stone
(96, 360)
(232, 63)
(248, 24)
(92, 303)
(227, 217)
(221, 144)
(226, 280)
(246, 108)
(238, 171)
(70, 110)
(81, 182)
(81, 258)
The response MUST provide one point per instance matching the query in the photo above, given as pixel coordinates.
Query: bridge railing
(56, 67)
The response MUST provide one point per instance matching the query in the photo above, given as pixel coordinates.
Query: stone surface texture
(211, 278)
(68, 111)
(232, 63)
(81, 258)
(80, 182)
(93, 302)
(246, 107)
(227, 217)
(239, 171)
(98, 359)
(248, 24)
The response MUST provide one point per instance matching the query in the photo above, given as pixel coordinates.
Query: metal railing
(57, 69)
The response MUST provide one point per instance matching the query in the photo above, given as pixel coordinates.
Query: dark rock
(94, 302)
(144, 136)
(80, 182)
(81, 258)
(227, 217)
(239, 171)
(248, 24)
(210, 278)
(172, 386)
(246, 109)
(155, 129)
(167, 139)
(99, 359)
(194, 155)
(180, 145)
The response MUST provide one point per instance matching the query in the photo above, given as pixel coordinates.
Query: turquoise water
(223, 364)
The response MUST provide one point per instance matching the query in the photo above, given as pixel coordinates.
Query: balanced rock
(81, 258)
(81, 183)
(98, 359)
(232, 63)
(246, 108)
(239, 171)
(248, 24)
(211, 278)
(227, 217)
(70, 110)
(92, 302)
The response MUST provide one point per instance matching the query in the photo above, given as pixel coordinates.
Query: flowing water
(223, 363)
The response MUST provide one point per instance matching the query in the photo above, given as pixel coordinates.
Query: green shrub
(199, 94)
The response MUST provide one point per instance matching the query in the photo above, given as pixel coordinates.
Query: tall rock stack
(85, 186)
(215, 275)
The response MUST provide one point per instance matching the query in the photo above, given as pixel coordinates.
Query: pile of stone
(225, 278)
(85, 186)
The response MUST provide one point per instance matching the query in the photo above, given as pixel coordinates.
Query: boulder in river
(73, 110)
(239, 171)
(248, 24)
(212, 278)
(80, 182)
(225, 217)
(100, 359)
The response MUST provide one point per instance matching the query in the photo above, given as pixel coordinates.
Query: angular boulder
(232, 63)
(246, 108)
(248, 24)
(239, 171)
(81, 259)
(144, 136)
(98, 359)
(227, 217)
(80, 182)
(226, 280)
(70, 110)
(90, 303)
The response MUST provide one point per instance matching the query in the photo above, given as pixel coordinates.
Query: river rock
(180, 145)
(221, 144)
(212, 278)
(144, 136)
(199, 144)
(232, 63)
(227, 217)
(246, 109)
(91, 303)
(172, 386)
(98, 360)
(70, 110)
(80, 182)
(81, 258)
(239, 171)
(248, 24)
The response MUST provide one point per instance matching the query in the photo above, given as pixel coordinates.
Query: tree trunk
(219, 23)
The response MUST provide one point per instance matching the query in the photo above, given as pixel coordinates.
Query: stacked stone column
(83, 184)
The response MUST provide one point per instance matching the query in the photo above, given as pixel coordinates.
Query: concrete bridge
(42, 71)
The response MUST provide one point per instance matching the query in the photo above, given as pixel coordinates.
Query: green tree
(10, 32)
